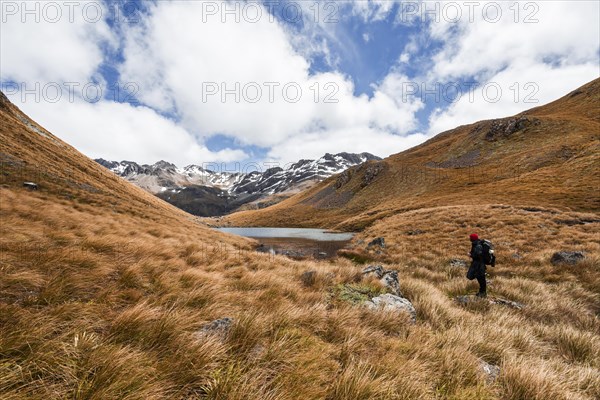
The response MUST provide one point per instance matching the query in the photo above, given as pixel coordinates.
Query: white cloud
(568, 31)
(175, 59)
(65, 50)
(556, 54)
(536, 85)
(122, 131)
(370, 10)
(33, 48)
(353, 140)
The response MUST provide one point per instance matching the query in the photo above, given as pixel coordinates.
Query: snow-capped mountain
(206, 191)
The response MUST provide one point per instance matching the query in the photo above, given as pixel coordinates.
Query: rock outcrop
(371, 173)
(392, 303)
(491, 371)
(389, 278)
(380, 242)
(506, 127)
(567, 257)
(218, 327)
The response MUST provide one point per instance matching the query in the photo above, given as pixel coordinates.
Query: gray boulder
(491, 371)
(377, 242)
(376, 269)
(392, 303)
(388, 278)
(218, 327)
(308, 278)
(458, 263)
(567, 257)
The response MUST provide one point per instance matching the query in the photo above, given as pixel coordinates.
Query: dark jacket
(477, 263)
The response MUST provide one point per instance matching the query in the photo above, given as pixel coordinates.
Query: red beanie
(474, 236)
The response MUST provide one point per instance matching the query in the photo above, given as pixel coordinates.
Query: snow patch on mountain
(166, 179)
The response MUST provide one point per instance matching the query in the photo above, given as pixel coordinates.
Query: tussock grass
(114, 315)
(104, 294)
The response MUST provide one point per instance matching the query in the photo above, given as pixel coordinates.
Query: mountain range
(207, 191)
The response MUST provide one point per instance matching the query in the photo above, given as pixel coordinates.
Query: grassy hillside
(547, 156)
(106, 291)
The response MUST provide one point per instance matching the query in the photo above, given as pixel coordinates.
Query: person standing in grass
(477, 268)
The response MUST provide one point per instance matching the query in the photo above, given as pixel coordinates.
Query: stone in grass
(505, 302)
(380, 242)
(458, 263)
(218, 327)
(567, 257)
(376, 269)
(491, 371)
(308, 278)
(392, 303)
(389, 278)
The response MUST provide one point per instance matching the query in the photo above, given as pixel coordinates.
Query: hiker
(477, 268)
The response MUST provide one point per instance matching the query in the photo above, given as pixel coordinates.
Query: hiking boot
(481, 294)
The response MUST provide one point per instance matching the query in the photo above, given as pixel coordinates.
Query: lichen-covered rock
(308, 278)
(567, 257)
(508, 126)
(388, 278)
(380, 242)
(218, 327)
(491, 371)
(392, 303)
(375, 269)
(458, 263)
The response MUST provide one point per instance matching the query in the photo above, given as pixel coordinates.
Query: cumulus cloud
(533, 52)
(123, 132)
(47, 57)
(60, 43)
(511, 91)
(214, 93)
(508, 33)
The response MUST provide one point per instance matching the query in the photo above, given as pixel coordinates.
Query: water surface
(297, 233)
(295, 242)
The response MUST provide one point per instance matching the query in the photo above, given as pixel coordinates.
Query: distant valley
(205, 191)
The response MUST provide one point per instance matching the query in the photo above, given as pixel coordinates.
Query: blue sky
(157, 63)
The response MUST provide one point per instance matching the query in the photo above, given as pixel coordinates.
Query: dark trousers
(482, 284)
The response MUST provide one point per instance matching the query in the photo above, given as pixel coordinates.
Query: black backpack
(489, 258)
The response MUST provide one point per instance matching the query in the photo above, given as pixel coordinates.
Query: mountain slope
(204, 192)
(547, 156)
